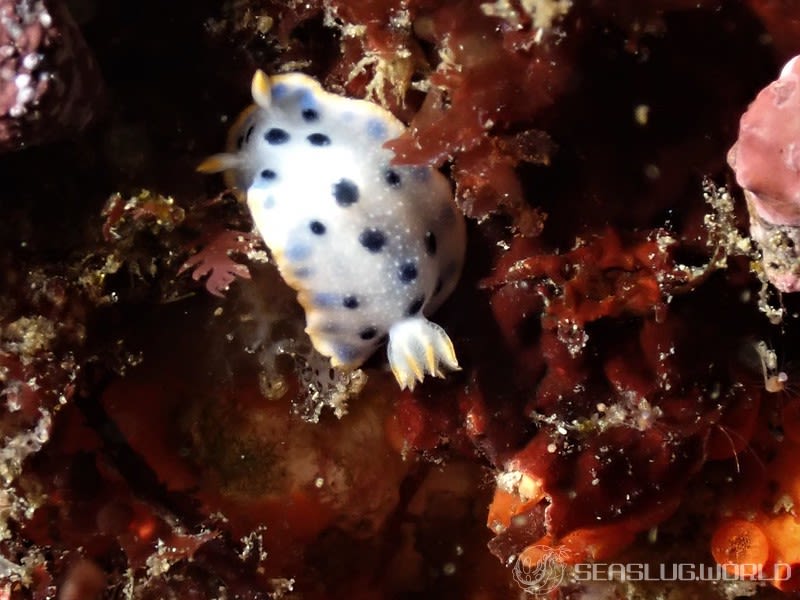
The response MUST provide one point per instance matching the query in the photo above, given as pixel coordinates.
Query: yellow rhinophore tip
(218, 162)
(259, 87)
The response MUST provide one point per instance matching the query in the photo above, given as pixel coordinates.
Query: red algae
(463, 119)
(455, 118)
(168, 431)
(214, 261)
(599, 278)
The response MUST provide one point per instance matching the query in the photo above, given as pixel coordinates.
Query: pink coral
(766, 156)
(766, 160)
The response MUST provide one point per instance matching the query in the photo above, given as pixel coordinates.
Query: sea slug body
(371, 248)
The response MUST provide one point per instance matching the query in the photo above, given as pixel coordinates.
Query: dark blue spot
(310, 115)
(319, 139)
(407, 272)
(249, 133)
(350, 302)
(316, 227)
(368, 333)
(298, 252)
(268, 174)
(430, 243)
(302, 272)
(326, 299)
(372, 239)
(345, 192)
(376, 129)
(279, 90)
(392, 178)
(346, 353)
(415, 306)
(276, 136)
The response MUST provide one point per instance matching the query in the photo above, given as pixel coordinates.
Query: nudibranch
(372, 248)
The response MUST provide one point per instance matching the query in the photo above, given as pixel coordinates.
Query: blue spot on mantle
(279, 91)
(346, 353)
(298, 251)
(376, 129)
(308, 100)
(326, 299)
